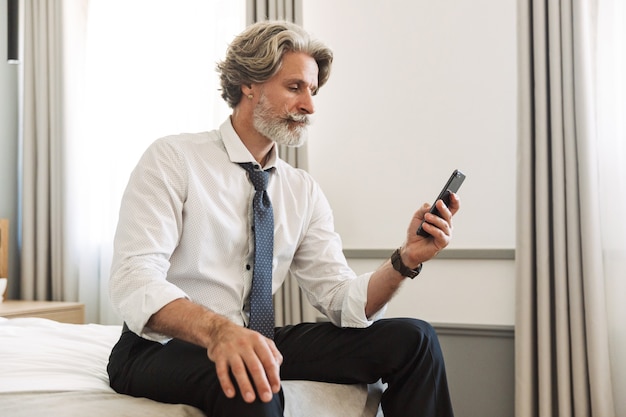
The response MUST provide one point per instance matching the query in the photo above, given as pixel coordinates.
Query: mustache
(298, 118)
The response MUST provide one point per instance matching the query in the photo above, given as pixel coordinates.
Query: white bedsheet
(44, 355)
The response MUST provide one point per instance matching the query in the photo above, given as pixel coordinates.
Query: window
(149, 71)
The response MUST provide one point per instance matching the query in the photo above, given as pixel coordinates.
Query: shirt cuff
(143, 303)
(353, 309)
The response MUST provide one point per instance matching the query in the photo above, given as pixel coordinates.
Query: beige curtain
(562, 352)
(51, 81)
(42, 191)
(290, 305)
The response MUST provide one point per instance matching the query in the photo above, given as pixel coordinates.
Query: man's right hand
(247, 354)
(252, 358)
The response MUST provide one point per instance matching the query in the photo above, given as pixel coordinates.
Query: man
(184, 261)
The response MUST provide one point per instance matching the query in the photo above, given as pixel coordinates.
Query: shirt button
(248, 267)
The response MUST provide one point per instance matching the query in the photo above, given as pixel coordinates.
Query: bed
(59, 370)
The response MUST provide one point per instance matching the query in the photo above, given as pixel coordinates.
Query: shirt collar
(237, 151)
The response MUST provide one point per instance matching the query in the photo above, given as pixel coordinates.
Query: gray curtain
(562, 351)
(259, 10)
(290, 304)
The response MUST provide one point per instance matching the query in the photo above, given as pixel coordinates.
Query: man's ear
(246, 89)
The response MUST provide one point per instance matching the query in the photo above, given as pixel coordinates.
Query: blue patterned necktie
(261, 304)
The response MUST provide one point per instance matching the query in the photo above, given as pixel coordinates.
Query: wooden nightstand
(65, 312)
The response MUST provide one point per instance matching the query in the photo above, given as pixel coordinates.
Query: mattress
(59, 370)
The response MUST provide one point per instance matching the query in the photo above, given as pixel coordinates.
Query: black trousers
(405, 353)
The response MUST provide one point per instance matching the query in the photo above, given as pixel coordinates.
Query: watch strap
(398, 265)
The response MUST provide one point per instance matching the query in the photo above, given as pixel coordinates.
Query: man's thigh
(143, 368)
(324, 352)
(177, 372)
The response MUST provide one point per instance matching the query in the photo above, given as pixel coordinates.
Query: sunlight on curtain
(149, 72)
(611, 85)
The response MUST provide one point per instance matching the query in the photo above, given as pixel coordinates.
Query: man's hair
(257, 53)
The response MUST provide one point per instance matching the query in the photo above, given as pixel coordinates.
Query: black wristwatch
(398, 265)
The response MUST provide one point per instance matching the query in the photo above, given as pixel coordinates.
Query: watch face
(396, 261)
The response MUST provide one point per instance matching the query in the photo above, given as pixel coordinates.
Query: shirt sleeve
(353, 309)
(148, 231)
(323, 274)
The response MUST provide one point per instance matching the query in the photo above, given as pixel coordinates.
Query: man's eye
(293, 88)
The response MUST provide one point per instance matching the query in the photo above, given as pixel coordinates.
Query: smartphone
(452, 186)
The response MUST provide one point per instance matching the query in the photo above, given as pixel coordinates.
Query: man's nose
(306, 105)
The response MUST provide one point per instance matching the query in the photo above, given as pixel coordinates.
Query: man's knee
(405, 336)
(408, 329)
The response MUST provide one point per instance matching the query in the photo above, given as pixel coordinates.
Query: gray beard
(277, 128)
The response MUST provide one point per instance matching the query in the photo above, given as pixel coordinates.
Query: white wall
(418, 89)
(8, 146)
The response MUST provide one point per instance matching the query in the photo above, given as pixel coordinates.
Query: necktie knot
(258, 177)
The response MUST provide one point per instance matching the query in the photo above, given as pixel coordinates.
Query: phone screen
(452, 186)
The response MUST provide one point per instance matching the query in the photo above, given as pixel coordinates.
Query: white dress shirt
(185, 231)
